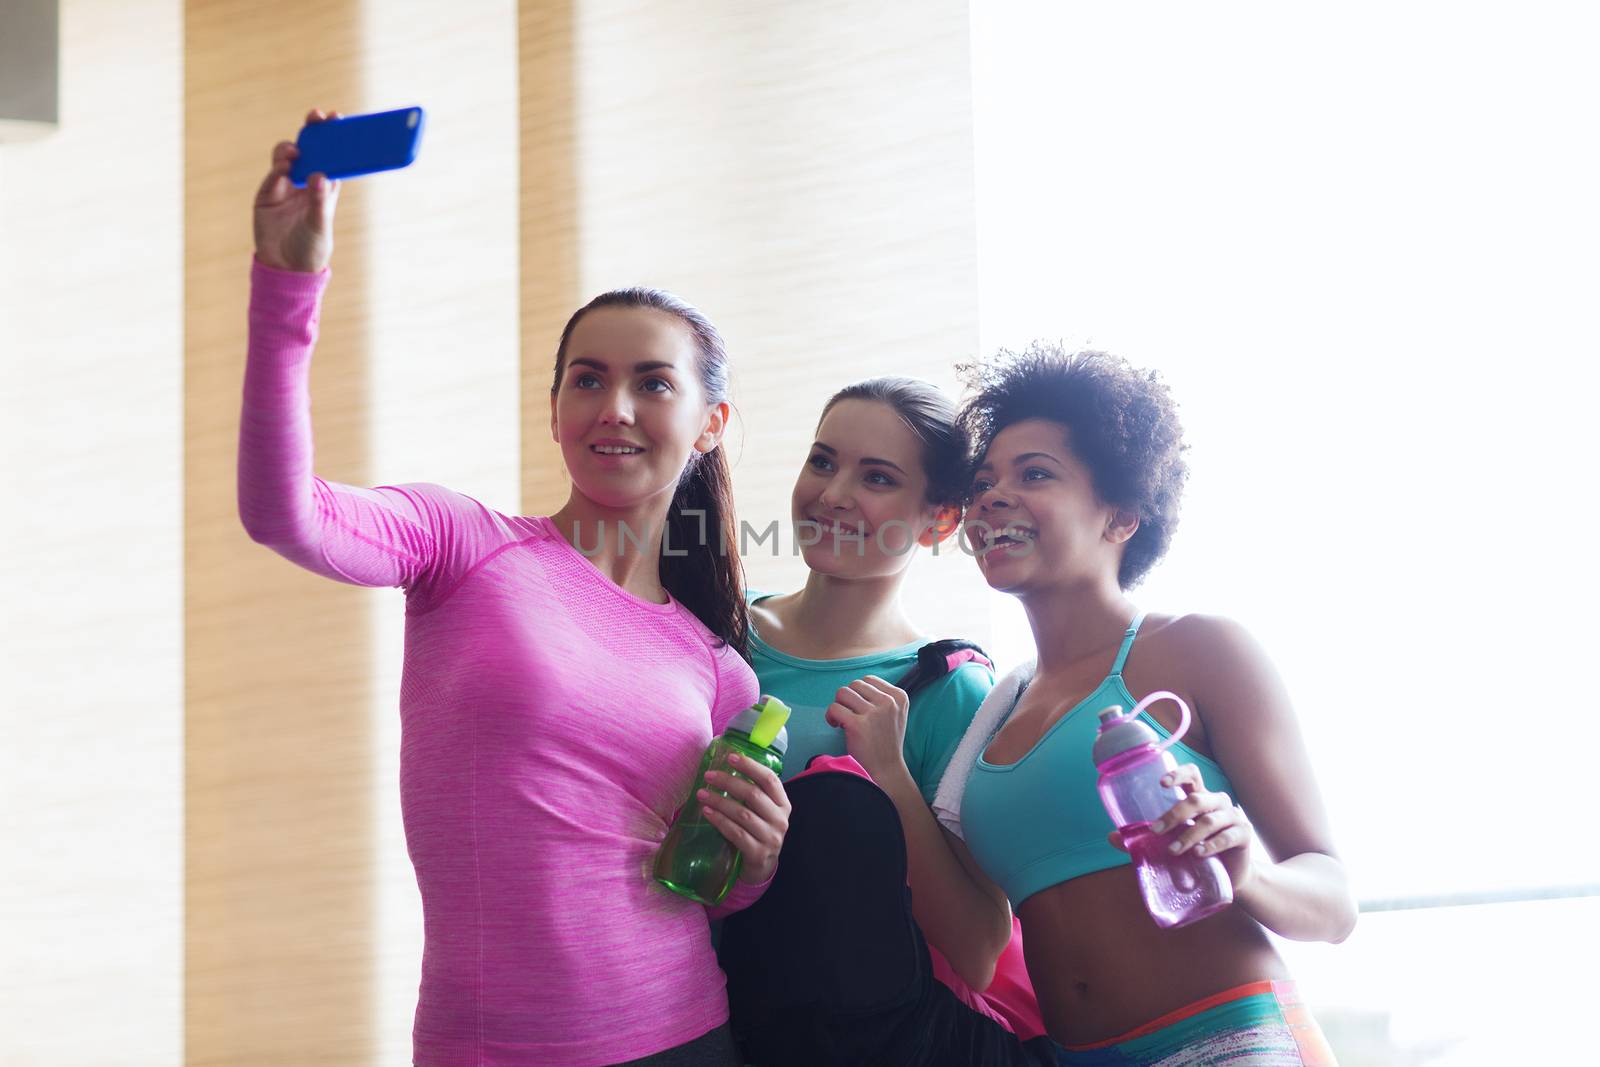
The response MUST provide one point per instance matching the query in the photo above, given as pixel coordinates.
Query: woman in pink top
(562, 674)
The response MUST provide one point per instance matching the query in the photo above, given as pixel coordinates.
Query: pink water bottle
(1178, 890)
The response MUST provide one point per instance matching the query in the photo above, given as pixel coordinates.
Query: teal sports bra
(1038, 822)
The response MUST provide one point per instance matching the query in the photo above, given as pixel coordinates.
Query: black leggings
(713, 1048)
(829, 967)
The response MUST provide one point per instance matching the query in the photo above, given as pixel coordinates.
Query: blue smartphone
(354, 145)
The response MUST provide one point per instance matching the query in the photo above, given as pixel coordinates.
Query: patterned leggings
(1263, 1024)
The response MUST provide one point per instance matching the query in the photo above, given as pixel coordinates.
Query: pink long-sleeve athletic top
(551, 723)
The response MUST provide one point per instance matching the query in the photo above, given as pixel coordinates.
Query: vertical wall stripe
(91, 551)
(278, 666)
(550, 239)
(444, 398)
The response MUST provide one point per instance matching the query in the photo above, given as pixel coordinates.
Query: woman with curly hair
(1080, 467)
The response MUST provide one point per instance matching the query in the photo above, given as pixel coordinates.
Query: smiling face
(862, 494)
(1036, 520)
(629, 411)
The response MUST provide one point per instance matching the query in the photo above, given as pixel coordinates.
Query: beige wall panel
(279, 664)
(550, 240)
(803, 173)
(91, 655)
(442, 267)
(416, 379)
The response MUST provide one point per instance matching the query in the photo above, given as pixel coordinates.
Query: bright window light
(1360, 241)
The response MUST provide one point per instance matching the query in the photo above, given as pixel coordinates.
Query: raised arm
(363, 536)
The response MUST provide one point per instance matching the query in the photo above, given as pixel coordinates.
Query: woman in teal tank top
(1075, 498)
(884, 476)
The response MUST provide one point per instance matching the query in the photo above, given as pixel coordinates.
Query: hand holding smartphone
(353, 145)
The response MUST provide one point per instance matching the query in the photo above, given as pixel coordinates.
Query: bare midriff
(1101, 966)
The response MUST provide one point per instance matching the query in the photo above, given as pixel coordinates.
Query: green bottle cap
(773, 713)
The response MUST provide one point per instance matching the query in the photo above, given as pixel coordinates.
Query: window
(1360, 243)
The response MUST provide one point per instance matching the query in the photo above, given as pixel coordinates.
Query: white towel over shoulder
(991, 715)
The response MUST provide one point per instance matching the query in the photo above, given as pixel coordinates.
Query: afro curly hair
(1121, 422)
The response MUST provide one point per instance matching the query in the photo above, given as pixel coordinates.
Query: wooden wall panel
(279, 663)
(91, 668)
(550, 238)
(443, 401)
(305, 923)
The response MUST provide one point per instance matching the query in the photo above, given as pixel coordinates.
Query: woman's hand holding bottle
(1219, 826)
(753, 816)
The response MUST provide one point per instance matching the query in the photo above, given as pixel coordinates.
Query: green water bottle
(695, 859)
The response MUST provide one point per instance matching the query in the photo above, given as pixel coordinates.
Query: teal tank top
(1038, 822)
(940, 711)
